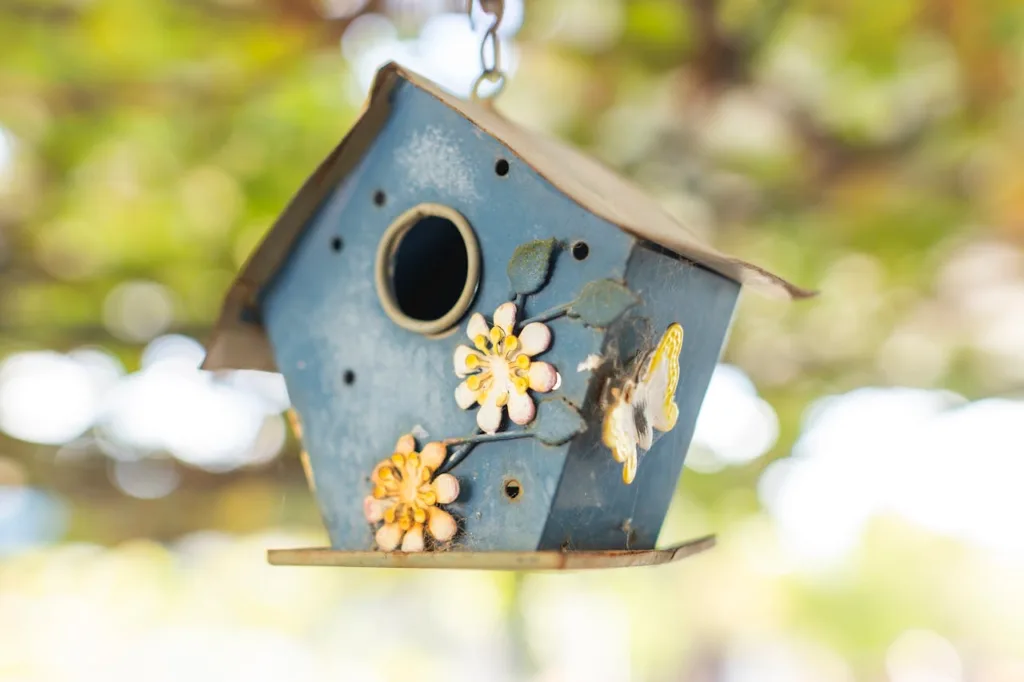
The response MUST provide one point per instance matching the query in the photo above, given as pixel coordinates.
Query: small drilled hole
(501, 168)
(336, 244)
(379, 198)
(513, 489)
(349, 377)
(580, 250)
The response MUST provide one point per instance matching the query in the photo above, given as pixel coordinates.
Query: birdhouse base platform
(491, 561)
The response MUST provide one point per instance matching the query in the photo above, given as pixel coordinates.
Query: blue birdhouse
(495, 348)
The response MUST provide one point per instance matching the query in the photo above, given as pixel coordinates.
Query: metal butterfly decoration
(644, 402)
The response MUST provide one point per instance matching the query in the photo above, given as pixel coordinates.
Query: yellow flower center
(503, 366)
(405, 482)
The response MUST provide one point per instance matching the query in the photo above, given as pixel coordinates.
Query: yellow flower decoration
(500, 369)
(406, 494)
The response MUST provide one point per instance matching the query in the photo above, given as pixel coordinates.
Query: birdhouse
(495, 348)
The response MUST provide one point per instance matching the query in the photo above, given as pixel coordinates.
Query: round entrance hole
(428, 268)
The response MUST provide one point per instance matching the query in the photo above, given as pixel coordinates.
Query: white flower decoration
(500, 370)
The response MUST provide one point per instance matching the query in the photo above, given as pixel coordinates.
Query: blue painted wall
(324, 318)
(592, 506)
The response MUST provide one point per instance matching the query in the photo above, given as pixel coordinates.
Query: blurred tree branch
(720, 60)
(723, 60)
(833, 156)
(34, 11)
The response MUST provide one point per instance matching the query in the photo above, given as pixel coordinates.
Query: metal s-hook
(496, 8)
(490, 46)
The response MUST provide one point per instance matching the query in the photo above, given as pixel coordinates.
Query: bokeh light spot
(6, 158)
(138, 311)
(146, 479)
(213, 422)
(735, 426)
(28, 518)
(48, 397)
(923, 656)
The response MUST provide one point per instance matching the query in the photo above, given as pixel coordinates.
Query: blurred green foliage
(861, 147)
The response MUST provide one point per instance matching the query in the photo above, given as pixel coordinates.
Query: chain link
(490, 50)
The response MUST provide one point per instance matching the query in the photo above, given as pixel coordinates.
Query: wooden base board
(491, 561)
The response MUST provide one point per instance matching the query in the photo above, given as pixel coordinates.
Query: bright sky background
(447, 49)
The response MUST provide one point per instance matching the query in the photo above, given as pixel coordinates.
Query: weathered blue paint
(592, 505)
(323, 319)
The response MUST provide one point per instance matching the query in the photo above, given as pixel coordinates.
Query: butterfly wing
(618, 432)
(657, 387)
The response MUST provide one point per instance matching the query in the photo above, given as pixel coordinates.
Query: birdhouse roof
(239, 341)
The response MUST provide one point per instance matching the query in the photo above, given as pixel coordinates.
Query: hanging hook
(490, 46)
(492, 7)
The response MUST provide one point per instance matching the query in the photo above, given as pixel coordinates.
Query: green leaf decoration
(557, 422)
(528, 269)
(602, 302)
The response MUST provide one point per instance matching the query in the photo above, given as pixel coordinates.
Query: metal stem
(467, 443)
(550, 314)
